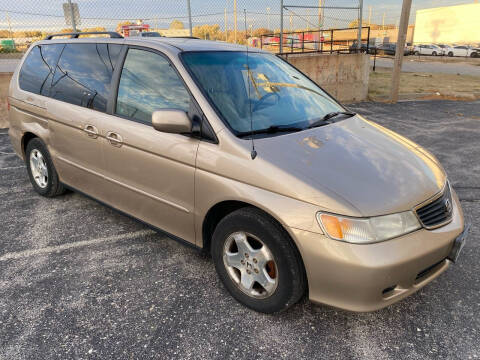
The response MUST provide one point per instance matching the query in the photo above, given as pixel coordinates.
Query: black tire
(450, 54)
(474, 54)
(417, 53)
(291, 280)
(53, 185)
(434, 53)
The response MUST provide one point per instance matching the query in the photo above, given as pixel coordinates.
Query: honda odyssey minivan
(236, 152)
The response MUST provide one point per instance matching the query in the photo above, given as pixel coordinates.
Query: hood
(362, 163)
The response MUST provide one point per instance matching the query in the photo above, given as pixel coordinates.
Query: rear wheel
(450, 54)
(257, 261)
(434, 53)
(42, 173)
(417, 53)
(474, 54)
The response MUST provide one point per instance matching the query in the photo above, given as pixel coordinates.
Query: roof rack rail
(183, 37)
(75, 35)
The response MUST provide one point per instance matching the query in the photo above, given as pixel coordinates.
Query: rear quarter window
(38, 68)
(84, 73)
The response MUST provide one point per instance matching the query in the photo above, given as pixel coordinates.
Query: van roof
(190, 44)
(179, 43)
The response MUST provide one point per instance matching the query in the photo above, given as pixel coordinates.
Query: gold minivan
(238, 153)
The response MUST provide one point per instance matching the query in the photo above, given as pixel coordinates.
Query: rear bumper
(370, 277)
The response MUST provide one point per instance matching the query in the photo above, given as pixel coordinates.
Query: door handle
(114, 139)
(91, 131)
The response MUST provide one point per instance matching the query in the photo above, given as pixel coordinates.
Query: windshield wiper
(270, 130)
(325, 120)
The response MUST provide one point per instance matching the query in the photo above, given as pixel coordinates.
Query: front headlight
(367, 230)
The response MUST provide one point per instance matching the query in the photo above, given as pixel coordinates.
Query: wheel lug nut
(254, 260)
(246, 255)
(242, 261)
(256, 270)
(249, 272)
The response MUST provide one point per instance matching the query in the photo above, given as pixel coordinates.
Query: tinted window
(83, 74)
(148, 83)
(38, 68)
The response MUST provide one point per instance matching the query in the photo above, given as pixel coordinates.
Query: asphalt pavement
(78, 280)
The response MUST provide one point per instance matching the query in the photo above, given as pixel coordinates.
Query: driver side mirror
(171, 121)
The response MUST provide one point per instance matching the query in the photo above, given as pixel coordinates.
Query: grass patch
(427, 84)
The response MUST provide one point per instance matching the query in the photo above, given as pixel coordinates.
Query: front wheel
(434, 53)
(257, 261)
(450, 54)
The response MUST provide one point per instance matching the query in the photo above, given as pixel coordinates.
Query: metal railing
(323, 41)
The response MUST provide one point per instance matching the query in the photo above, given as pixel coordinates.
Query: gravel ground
(78, 280)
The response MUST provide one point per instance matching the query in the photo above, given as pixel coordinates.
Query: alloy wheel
(38, 167)
(250, 265)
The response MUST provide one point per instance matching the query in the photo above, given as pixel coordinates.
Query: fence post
(360, 20)
(331, 41)
(72, 14)
(189, 10)
(281, 26)
(368, 40)
(303, 41)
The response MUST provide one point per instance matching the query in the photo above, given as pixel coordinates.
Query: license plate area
(458, 244)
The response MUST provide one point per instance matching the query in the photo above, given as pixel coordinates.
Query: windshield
(275, 93)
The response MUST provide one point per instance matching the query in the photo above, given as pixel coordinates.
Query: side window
(83, 74)
(38, 68)
(148, 83)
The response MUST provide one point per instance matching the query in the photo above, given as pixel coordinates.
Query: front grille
(438, 211)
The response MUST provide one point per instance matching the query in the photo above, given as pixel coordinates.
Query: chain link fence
(23, 22)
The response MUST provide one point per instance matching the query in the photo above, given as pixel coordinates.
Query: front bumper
(370, 277)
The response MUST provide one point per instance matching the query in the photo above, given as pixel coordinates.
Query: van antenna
(253, 153)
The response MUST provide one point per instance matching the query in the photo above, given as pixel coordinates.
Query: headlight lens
(367, 230)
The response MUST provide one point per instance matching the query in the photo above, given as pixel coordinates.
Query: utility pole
(235, 20)
(320, 14)
(9, 25)
(268, 18)
(360, 20)
(189, 10)
(72, 14)
(281, 26)
(383, 22)
(225, 26)
(291, 23)
(402, 36)
(369, 15)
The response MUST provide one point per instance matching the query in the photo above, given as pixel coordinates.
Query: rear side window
(38, 68)
(83, 74)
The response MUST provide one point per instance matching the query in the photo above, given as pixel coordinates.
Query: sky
(48, 14)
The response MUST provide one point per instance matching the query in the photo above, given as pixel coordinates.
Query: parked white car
(464, 50)
(430, 49)
(445, 48)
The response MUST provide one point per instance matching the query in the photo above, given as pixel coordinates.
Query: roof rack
(75, 35)
(183, 37)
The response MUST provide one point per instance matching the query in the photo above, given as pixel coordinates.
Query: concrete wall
(4, 82)
(451, 24)
(345, 76)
